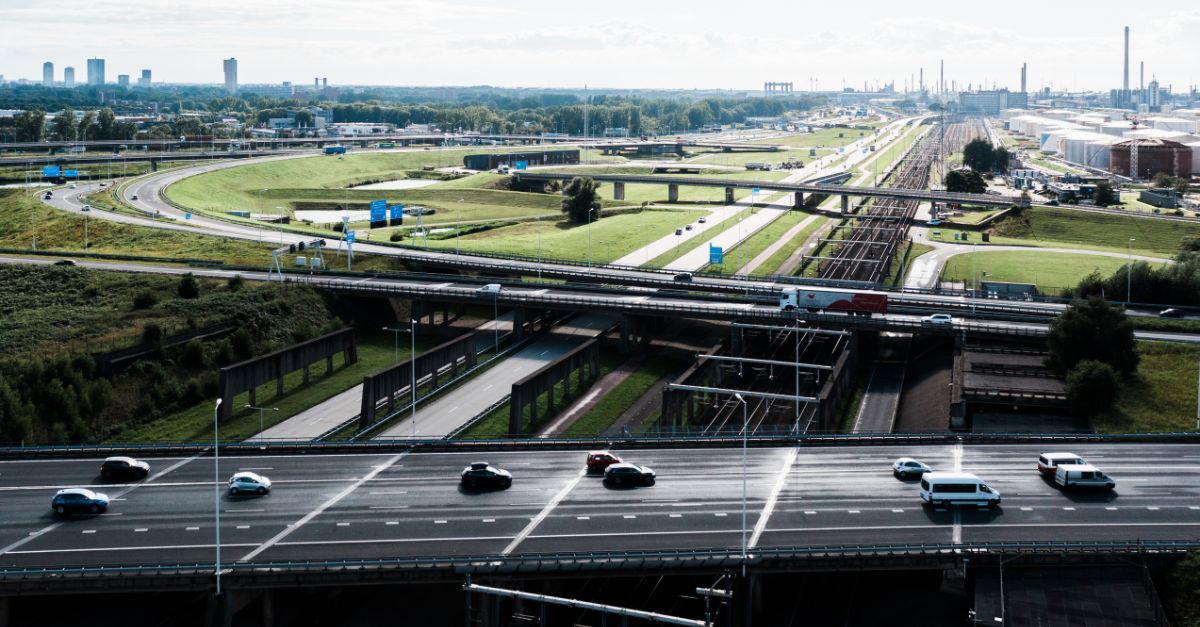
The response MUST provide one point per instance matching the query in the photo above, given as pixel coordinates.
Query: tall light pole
(217, 492)
(745, 430)
(496, 322)
(1129, 273)
(260, 417)
(412, 365)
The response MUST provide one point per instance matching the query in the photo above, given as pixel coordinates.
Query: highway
(396, 504)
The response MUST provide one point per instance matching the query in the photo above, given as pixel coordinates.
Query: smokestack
(1142, 77)
(316, 84)
(1126, 83)
(922, 80)
(942, 76)
(325, 83)
(1023, 68)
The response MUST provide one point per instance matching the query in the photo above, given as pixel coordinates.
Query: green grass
(604, 413)
(610, 237)
(637, 193)
(750, 248)
(1055, 226)
(775, 262)
(884, 157)
(825, 137)
(376, 350)
(1161, 397)
(1049, 271)
(914, 251)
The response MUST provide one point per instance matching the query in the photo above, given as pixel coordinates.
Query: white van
(490, 288)
(956, 488)
(1071, 476)
(1047, 462)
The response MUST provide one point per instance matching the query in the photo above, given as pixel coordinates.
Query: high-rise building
(144, 81)
(69, 77)
(123, 81)
(231, 75)
(95, 71)
(48, 74)
(1153, 96)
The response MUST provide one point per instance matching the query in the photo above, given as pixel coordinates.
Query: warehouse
(491, 161)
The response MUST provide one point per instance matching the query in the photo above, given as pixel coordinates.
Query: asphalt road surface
(374, 505)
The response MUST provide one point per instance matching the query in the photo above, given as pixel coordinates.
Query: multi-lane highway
(396, 504)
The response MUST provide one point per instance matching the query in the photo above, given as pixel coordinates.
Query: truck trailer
(855, 303)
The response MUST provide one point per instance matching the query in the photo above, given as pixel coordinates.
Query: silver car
(906, 467)
(249, 483)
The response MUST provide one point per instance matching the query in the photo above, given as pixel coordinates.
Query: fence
(248, 375)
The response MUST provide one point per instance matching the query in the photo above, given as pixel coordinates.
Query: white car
(938, 319)
(906, 467)
(249, 483)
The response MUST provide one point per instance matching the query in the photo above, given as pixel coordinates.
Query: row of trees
(1177, 283)
(981, 156)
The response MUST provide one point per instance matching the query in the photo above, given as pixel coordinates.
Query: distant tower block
(777, 88)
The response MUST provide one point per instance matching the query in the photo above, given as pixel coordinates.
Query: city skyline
(669, 46)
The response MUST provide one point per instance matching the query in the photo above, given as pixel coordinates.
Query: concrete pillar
(845, 204)
(798, 200)
(4, 612)
(328, 371)
(618, 190)
(268, 605)
(673, 192)
(729, 200)
(305, 374)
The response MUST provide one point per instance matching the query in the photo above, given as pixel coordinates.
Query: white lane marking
(536, 520)
(51, 527)
(89, 531)
(439, 522)
(489, 520)
(343, 524)
(897, 511)
(1152, 508)
(392, 522)
(1027, 509)
(810, 512)
(629, 516)
(192, 529)
(676, 515)
(1111, 509)
(141, 530)
(853, 511)
(1068, 509)
(243, 526)
(769, 506)
(389, 507)
(321, 508)
(583, 518)
(720, 514)
(1194, 507)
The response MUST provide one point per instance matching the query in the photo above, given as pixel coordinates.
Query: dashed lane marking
(630, 516)
(343, 524)
(89, 531)
(489, 520)
(141, 530)
(439, 522)
(537, 520)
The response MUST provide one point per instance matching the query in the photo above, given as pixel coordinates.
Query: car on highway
(490, 288)
(1082, 476)
(1171, 312)
(938, 319)
(65, 262)
(48, 195)
(133, 197)
(906, 467)
(688, 227)
(947, 489)
(702, 220)
(124, 468)
(78, 501)
(684, 277)
(597, 461)
(484, 475)
(246, 482)
(86, 208)
(73, 186)
(1048, 462)
(679, 231)
(625, 473)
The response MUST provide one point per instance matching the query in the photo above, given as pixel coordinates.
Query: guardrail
(759, 558)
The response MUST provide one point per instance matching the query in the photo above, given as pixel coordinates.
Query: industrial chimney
(1126, 83)
(1023, 68)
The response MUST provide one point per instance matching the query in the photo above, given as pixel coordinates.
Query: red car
(597, 461)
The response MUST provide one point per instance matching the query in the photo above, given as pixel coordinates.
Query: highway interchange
(408, 503)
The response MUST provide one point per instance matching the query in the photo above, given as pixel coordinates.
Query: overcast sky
(608, 43)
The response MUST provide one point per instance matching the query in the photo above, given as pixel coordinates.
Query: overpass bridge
(532, 180)
(153, 157)
(388, 512)
(400, 139)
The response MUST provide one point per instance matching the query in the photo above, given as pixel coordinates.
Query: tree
(1092, 329)
(1162, 180)
(1105, 195)
(979, 155)
(62, 127)
(1092, 387)
(1002, 157)
(189, 287)
(965, 181)
(580, 201)
(30, 126)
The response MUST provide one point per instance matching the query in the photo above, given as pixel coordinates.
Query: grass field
(823, 137)
(749, 248)
(775, 262)
(885, 157)
(604, 413)
(376, 350)
(610, 237)
(1047, 226)
(1162, 396)
(1049, 271)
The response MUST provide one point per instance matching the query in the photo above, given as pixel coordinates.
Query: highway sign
(397, 212)
(51, 171)
(350, 236)
(71, 174)
(378, 211)
(754, 190)
(521, 165)
(187, 216)
(716, 254)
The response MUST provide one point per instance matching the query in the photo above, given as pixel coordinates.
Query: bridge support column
(845, 204)
(4, 612)
(154, 165)
(268, 608)
(518, 331)
(672, 192)
(618, 190)
(798, 200)
(729, 200)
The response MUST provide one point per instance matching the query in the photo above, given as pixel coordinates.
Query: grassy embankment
(1065, 228)
(1161, 397)
(1051, 272)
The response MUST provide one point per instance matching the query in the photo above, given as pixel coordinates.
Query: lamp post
(260, 417)
(745, 430)
(412, 365)
(1129, 272)
(217, 492)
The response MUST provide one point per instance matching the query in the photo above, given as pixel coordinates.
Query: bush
(193, 354)
(1092, 330)
(242, 344)
(1092, 387)
(189, 287)
(152, 334)
(145, 299)
(235, 283)
(396, 236)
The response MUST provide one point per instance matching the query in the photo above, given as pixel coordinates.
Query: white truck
(792, 298)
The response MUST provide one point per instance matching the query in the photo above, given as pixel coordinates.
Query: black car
(1171, 313)
(65, 262)
(124, 468)
(628, 474)
(481, 475)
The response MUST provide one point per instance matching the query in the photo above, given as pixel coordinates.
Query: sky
(673, 44)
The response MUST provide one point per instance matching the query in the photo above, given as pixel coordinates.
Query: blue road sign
(350, 236)
(378, 210)
(51, 170)
(754, 190)
(71, 174)
(187, 216)
(521, 165)
(716, 254)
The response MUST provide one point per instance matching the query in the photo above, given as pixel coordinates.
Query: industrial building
(1153, 156)
(491, 161)
(991, 102)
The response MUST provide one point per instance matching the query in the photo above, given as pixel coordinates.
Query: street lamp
(745, 430)
(260, 417)
(217, 493)
(1129, 272)
(412, 365)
